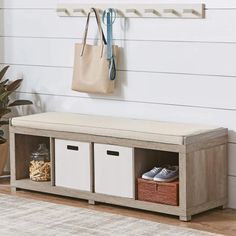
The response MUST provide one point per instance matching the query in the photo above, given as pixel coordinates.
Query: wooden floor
(215, 221)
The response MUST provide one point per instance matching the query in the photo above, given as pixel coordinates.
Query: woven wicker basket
(152, 191)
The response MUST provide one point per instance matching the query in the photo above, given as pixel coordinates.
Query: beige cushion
(149, 130)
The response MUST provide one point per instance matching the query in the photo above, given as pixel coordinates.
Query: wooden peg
(63, 10)
(79, 10)
(191, 11)
(134, 11)
(171, 11)
(152, 11)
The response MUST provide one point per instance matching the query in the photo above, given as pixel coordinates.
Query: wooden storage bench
(123, 149)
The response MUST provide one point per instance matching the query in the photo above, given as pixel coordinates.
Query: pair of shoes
(162, 174)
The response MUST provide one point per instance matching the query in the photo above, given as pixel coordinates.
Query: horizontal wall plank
(139, 110)
(28, 3)
(22, 22)
(209, 3)
(232, 192)
(52, 3)
(186, 90)
(174, 57)
(232, 159)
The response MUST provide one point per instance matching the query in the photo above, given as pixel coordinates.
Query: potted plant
(6, 89)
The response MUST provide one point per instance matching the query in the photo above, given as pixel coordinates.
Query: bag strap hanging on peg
(110, 15)
(102, 38)
(96, 12)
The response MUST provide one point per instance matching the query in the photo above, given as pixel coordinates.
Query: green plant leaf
(14, 85)
(7, 88)
(4, 111)
(20, 103)
(2, 89)
(3, 71)
(4, 95)
(4, 82)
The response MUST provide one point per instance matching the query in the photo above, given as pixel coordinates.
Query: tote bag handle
(102, 38)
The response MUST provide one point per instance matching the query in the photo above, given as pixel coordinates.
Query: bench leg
(13, 190)
(185, 218)
(91, 202)
(223, 207)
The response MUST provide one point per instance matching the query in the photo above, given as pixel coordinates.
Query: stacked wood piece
(40, 170)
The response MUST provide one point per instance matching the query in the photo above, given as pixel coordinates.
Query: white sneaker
(150, 174)
(167, 174)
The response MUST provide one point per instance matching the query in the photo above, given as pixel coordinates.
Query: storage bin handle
(112, 153)
(73, 148)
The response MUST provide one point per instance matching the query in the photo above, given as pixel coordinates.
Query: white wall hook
(119, 13)
(191, 11)
(80, 11)
(171, 11)
(100, 11)
(63, 11)
(152, 11)
(133, 11)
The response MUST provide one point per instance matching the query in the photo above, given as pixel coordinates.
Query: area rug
(24, 217)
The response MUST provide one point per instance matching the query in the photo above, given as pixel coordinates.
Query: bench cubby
(24, 146)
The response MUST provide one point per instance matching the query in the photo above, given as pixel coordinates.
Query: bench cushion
(148, 130)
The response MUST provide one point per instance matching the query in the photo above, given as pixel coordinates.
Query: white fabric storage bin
(114, 170)
(73, 164)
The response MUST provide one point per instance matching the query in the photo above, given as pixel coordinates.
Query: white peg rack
(185, 11)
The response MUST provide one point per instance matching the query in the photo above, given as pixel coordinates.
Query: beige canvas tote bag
(91, 67)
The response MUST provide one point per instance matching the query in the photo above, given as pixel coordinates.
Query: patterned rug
(26, 217)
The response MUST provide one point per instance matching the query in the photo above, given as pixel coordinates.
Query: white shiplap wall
(175, 70)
